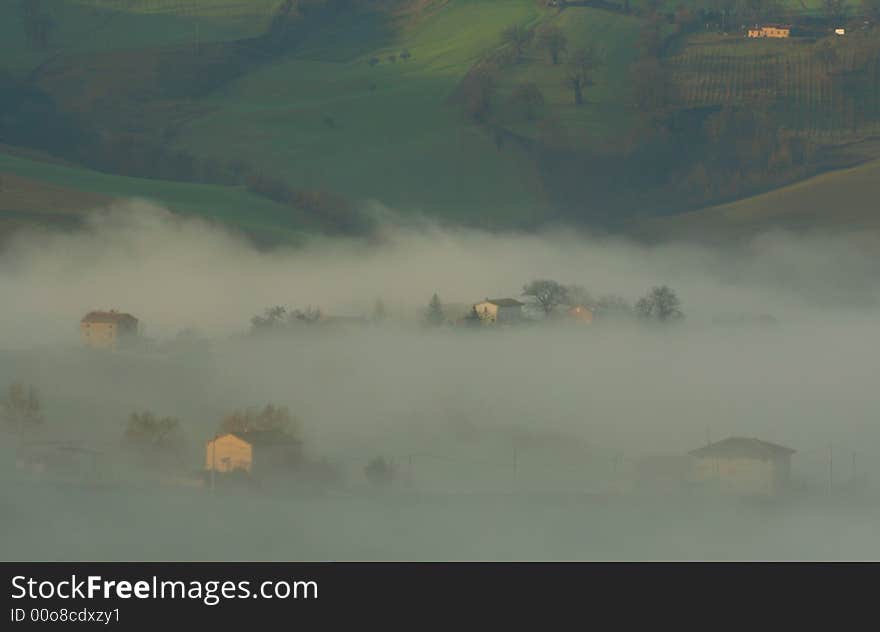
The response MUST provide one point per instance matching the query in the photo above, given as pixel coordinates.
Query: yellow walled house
(107, 330)
(744, 466)
(778, 32)
(245, 451)
(499, 310)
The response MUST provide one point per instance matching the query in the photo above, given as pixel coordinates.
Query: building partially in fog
(257, 451)
(108, 330)
(499, 310)
(744, 466)
(580, 314)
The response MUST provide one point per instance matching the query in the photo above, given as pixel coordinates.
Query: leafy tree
(270, 417)
(578, 73)
(21, 410)
(518, 38)
(380, 472)
(547, 293)
(552, 39)
(528, 97)
(405, 54)
(434, 314)
(660, 304)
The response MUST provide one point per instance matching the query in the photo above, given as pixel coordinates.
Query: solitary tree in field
(21, 410)
(547, 293)
(660, 304)
(578, 75)
(553, 40)
(518, 38)
(434, 314)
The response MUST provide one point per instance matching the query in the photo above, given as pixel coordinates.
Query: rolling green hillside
(843, 200)
(30, 187)
(363, 99)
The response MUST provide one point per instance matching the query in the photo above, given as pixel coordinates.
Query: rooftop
(743, 447)
(503, 302)
(112, 316)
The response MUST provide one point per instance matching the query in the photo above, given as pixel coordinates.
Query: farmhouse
(779, 32)
(744, 466)
(499, 310)
(257, 451)
(107, 330)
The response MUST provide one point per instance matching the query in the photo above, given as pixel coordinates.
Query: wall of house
(738, 475)
(231, 454)
(488, 311)
(99, 335)
(509, 314)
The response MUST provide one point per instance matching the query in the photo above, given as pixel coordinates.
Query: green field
(394, 135)
(232, 205)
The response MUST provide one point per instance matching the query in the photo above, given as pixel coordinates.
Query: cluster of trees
(270, 418)
(660, 303)
(278, 318)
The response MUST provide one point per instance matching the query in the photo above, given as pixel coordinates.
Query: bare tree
(578, 75)
(518, 38)
(552, 39)
(21, 410)
(660, 304)
(547, 293)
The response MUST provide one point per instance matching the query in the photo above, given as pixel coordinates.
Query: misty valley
(384, 409)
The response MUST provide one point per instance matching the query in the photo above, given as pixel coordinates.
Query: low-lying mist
(512, 443)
